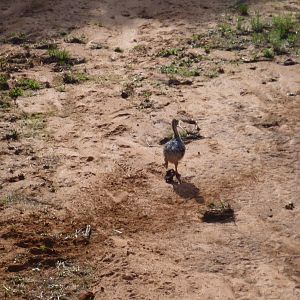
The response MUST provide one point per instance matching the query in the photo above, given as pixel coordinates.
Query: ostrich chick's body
(174, 150)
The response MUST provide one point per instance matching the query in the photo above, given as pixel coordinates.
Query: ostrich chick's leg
(166, 163)
(177, 174)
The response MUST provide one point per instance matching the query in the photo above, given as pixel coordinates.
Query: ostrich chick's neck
(176, 134)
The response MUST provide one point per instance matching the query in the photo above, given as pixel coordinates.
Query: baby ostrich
(174, 150)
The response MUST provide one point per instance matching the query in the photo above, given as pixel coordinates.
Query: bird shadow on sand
(188, 191)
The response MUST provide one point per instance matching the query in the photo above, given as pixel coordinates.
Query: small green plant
(15, 92)
(223, 205)
(4, 104)
(28, 84)
(224, 29)
(284, 33)
(195, 40)
(276, 42)
(61, 88)
(147, 94)
(3, 82)
(60, 56)
(168, 52)
(243, 9)
(32, 124)
(44, 248)
(256, 23)
(212, 74)
(140, 48)
(119, 50)
(196, 37)
(71, 78)
(239, 23)
(170, 69)
(82, 77)
(293, 38)
(10, 198)
(283, 25)
(258, 38)
(268, 53)
(207, 49)
(180, 70)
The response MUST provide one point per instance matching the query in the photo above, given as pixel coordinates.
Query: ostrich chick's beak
(181, 127)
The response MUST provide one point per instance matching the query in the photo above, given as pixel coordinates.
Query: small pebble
(124, 95)
(292, 94)
(290, 206)
(96, 46)
(47, 85)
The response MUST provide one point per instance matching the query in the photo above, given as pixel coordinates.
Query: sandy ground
(87, 156)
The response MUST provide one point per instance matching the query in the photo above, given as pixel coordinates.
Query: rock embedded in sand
(289, 62)
(290, 206)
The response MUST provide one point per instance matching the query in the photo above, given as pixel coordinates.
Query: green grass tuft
(284, 33)
(212, 74)
(268, 53)
(28, 84)
(168, 52)
(44, 248)
(239, 23)
(243, 9)
(179, 70)
(283, 25)
(32, 124)
(61, 88)
(278, 44)
(140, 48)
(60, 56)
(256, 24)
(258, 38)
(5, 200)
(3, 82)
(147, 94)
(4, 104)
(224, 29)
(72, 78)
(15, 92)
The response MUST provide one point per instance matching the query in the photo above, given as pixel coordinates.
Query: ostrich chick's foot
(169, 176)
(178, 176)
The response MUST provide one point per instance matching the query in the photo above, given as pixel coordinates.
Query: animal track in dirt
(117, 131)
(28, 243)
